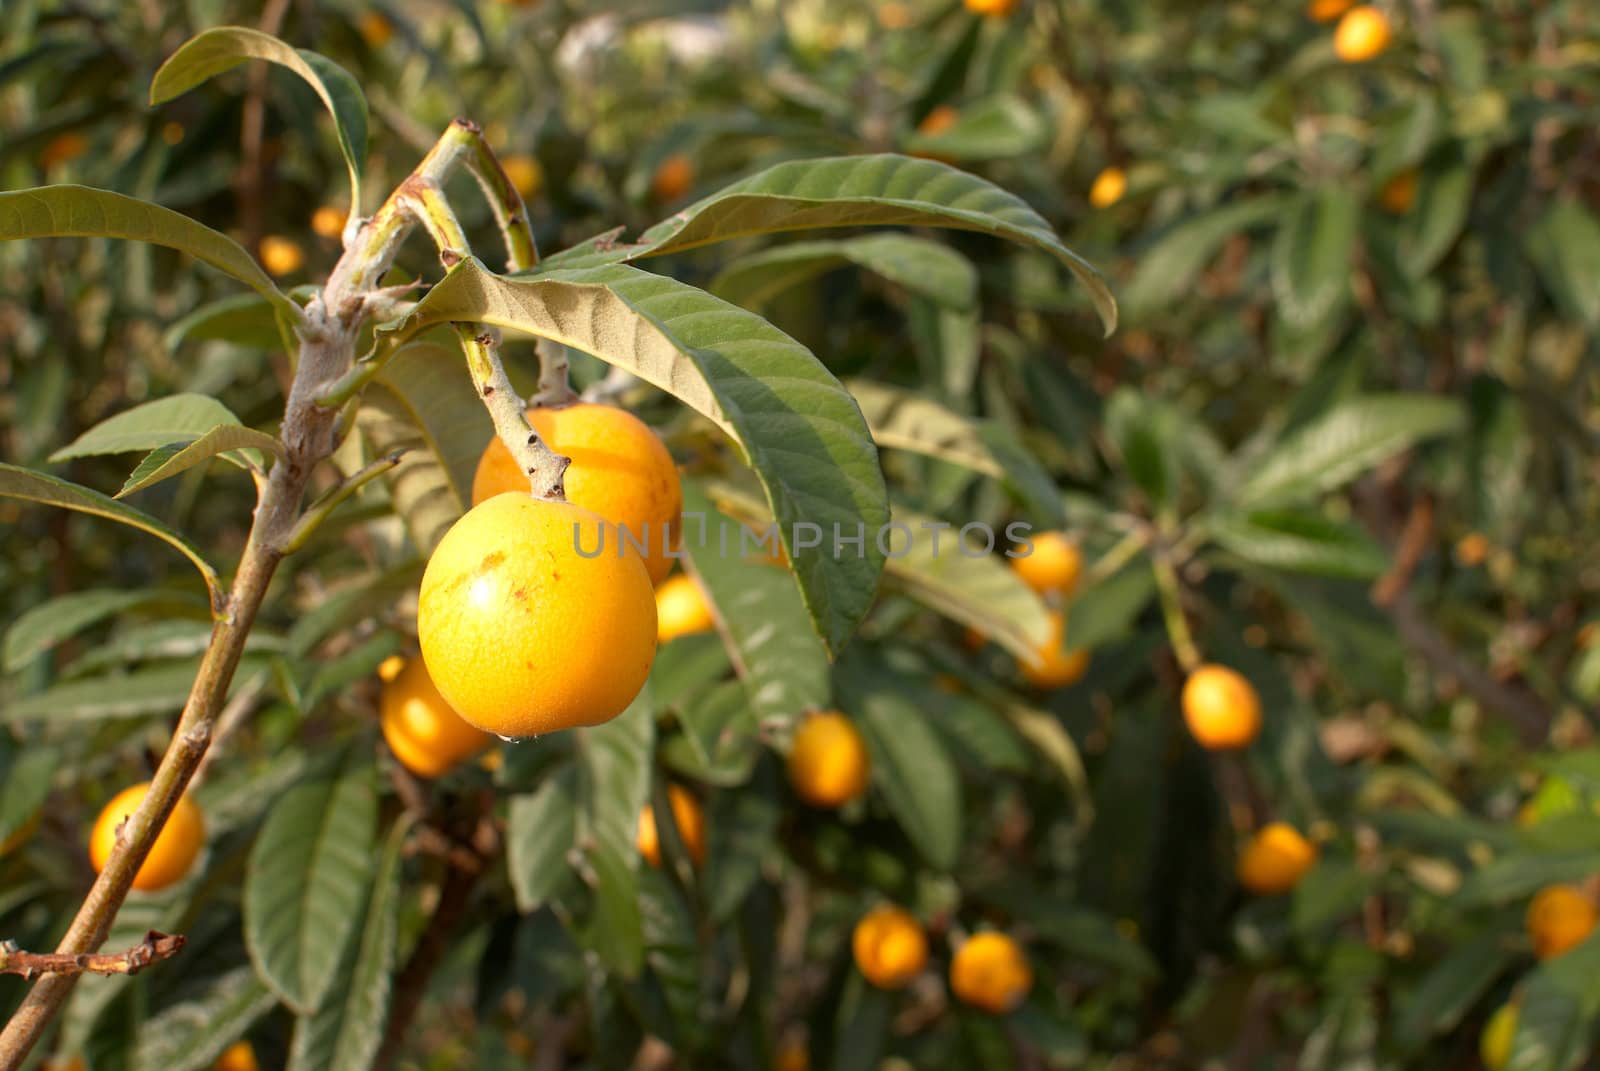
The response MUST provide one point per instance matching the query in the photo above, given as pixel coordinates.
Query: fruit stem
(326, 339)
(326, 503)
(555, 384)
(510, 213)
(546, 469)
(1171, 593)
(1112, 561)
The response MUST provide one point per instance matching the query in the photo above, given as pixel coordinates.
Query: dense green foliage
(1342, 439)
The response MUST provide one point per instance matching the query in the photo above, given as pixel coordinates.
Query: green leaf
(1564, 245)
(347, 1031)
(1444, 199)
(906, 420)
(423, 403)
(1107, 611)
(37, 487)
(721, 739)
(78, 211)
(191, 1035)
(147, 426)
(673, 952)
(783, 665)
(1451, 987)
(613, 785)
(848, 191)
(164, 462)
(1050, 738)
(742, 827)
(910, 765)
(1517, 876)
(158, 690)
(208, 54)
(798, 428)
(966, 583)
(1145, 433)
(42, 627)
(307, 880)
(25, 774)
(1555, 1020)
(243, 319)
(1311, 255)
(931, 269)
(1167, 270)
(1299, 542)
(1344, 442)
(997, 127)
(540, 831)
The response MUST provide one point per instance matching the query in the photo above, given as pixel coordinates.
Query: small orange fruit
(1494, 1044)
(673, 179)
(1275, 859)
(1559, 919)
(1221, 707)
(1052, 665)
(829, 764)
(280, 255)
(375, 29)
(792, 1056)
(1052, 564)
(328, 222)
(681, 609)
(687, 815)
(990, 972)
(1328, 10)
(939, 119)
(240, 1056)
(894, 15)
(63, 148)
(889, 946)
(1108, 188)
(1472, 549)
(534, 617)
(176, 847)
(994, 8)
(620, 470)
(1399, 193)
(423, 732)
(1363, 33)
(525, 174)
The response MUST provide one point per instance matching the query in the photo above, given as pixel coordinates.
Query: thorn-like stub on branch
(466, 124)
(485, 339)
(488, 390)
(450, 258)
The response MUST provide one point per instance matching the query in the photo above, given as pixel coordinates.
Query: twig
(456, 893)
(327, 333)
(252, 130)
(555, 384)
(155, 947)
(544, 467)
(1171, 592)
(1414, 540)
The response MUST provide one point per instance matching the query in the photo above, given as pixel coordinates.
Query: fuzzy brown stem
(155, 947)
(327, 336)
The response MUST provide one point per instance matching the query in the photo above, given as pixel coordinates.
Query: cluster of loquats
(1051, 569)
(508, 601)
(988, 971)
